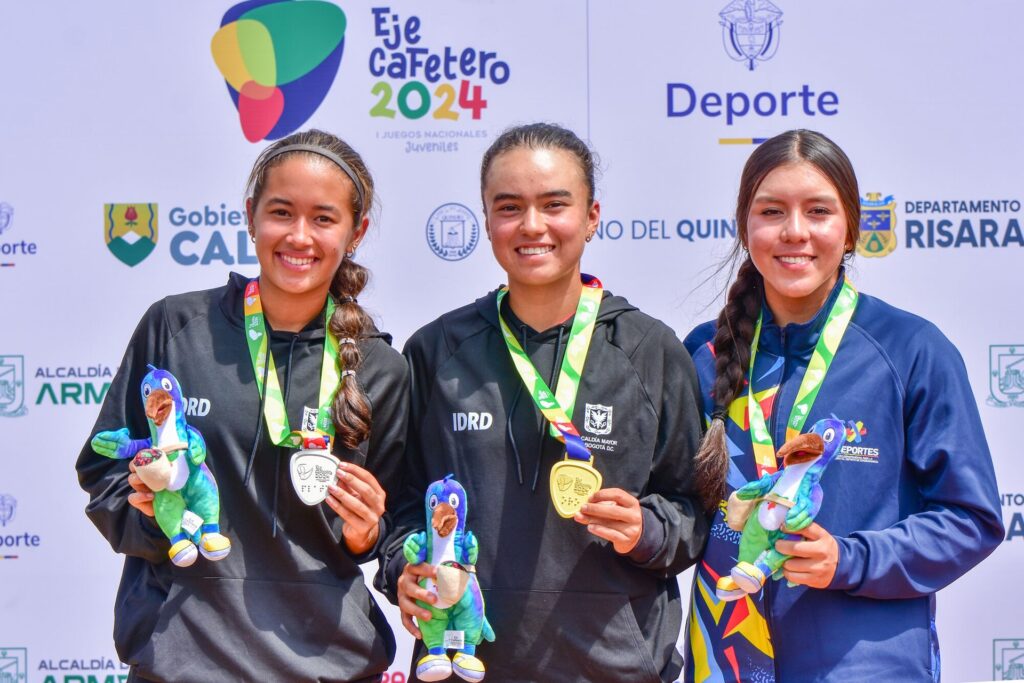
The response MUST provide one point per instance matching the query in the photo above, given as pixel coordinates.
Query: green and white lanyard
(274, 409)
(824, 353)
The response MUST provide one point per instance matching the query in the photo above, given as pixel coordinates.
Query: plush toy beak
(803, 448)
(158, 406)
(444, 520)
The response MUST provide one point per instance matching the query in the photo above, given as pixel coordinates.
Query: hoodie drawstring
(277, 454)
(259, 426)
(259, 431)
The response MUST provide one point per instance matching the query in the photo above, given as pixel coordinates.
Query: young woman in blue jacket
(910, 500)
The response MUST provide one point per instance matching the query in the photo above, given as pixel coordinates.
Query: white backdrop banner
(127, 130)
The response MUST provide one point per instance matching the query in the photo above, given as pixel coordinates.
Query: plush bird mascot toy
(457, 619)
(186, 502)
(776, 506)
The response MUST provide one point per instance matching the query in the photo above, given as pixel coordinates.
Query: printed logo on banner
(597, 419)
(1006, 375)
(76, 669)
(1008, 659)
(1015, 525)
(956, 223)
(877, 225)
(130, 231)
(8, 506)
(12, 386)
(417, 78)
(12, 543)
(452, 232)
(751, 30)
(73, 384)
(6, 216)
(13, 664)
(279, 59)
(206, 237)
(10, 250)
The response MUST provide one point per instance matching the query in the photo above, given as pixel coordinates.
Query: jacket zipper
(769, 588)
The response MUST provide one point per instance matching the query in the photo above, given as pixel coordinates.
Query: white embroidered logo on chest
(597, 419)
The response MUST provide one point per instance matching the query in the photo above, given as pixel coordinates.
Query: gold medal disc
(572, 483)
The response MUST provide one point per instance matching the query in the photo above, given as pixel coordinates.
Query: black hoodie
(289, 602)
(564, 605)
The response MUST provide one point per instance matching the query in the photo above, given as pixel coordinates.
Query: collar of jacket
(796, 339)
(611, 307)
(232, 307)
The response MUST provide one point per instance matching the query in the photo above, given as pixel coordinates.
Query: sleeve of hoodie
(387, 389)
(675, 528)
(423, 352)
(959, 521)
(106, 480)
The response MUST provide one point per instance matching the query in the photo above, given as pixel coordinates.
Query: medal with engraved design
(572, 484)
(574, 480)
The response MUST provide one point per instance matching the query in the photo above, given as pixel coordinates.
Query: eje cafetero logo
(279, 59)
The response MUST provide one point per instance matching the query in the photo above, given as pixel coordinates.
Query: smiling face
(797, 235)
(539, 216)
(303, 223)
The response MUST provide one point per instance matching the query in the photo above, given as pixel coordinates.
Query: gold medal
(572, 484)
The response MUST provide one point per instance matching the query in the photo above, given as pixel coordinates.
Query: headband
(327, 154)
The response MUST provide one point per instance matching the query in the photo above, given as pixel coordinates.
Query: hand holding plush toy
(186, 502)
(786, 501)
(451, 548)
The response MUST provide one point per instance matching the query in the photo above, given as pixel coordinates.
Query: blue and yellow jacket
(911, 500)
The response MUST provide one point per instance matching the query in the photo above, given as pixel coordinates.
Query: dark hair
(542, 136)
(737, 319)
(350, 409)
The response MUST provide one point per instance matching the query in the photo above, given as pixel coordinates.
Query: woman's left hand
(359, 500)
(815, 557)
(614, 515)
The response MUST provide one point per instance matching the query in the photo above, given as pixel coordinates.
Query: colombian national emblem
(877, 225)
(750, 30)
(1006, 375)
(130, 231)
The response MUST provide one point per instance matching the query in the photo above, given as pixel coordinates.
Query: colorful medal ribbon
(824, 352)
(573, 480)
(274, 409)
(557, 407)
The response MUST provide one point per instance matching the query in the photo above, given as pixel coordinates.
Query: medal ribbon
(274, 409)
(557, 407)
(824, 352)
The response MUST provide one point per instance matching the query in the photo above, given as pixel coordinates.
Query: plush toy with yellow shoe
(776, 506)
(186, 502)
(457, 619)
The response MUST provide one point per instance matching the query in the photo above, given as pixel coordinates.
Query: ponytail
(732, 358)
(350, 324)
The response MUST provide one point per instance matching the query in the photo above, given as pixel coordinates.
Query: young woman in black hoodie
(592, 597)
(289, 601)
